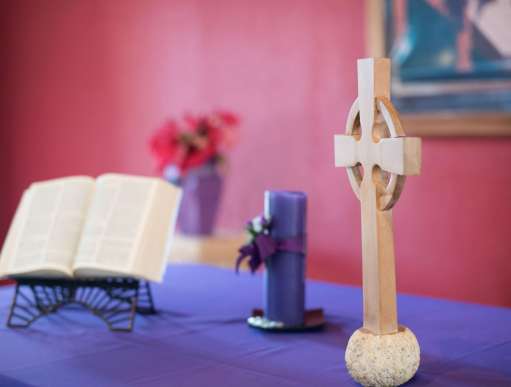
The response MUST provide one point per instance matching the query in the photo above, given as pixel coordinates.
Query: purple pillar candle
(284, 278)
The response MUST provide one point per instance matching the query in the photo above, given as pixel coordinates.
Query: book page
(119, 220)
(151, 258)
(114, 222)
(6, 255)
(46, 232)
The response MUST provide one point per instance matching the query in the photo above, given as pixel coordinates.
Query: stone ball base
(382, 360)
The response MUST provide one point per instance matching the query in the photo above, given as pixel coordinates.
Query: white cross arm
(345, 151)
(400, 155)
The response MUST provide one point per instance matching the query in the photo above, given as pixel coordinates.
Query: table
(200, 338)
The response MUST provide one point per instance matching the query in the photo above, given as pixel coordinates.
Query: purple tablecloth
(200, 338)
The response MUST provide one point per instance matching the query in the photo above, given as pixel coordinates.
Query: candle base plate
(314, 320)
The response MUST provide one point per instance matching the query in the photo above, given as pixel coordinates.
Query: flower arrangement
(196, 140)
(259, 246)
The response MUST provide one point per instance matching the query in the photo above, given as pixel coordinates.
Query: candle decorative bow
(262, 246)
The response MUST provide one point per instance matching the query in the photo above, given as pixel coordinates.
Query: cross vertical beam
(373, 81)
(378, 262)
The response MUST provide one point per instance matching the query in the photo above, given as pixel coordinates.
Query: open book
(115, 225)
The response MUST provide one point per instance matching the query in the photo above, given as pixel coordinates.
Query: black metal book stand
(115, 300)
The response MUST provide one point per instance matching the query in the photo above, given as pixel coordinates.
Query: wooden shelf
(457, 124)
(218, 250)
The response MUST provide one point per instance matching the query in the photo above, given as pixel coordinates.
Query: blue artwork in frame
(450, 55)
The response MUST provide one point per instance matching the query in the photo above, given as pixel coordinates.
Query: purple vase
(202, 189)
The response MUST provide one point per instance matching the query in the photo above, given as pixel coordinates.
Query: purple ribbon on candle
(263, 246)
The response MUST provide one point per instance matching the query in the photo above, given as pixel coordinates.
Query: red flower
(196, 141)
(190, 122)
(228, 118)
(165, 145)
(197, 157)
(227, 122)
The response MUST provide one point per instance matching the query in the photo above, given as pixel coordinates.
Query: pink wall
(87, 81)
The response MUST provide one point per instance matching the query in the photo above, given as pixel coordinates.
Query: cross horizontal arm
(400, 155)
(345, 151)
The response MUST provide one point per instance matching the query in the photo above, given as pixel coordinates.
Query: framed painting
(451, 63)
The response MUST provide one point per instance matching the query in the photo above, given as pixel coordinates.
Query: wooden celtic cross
(378, 156)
